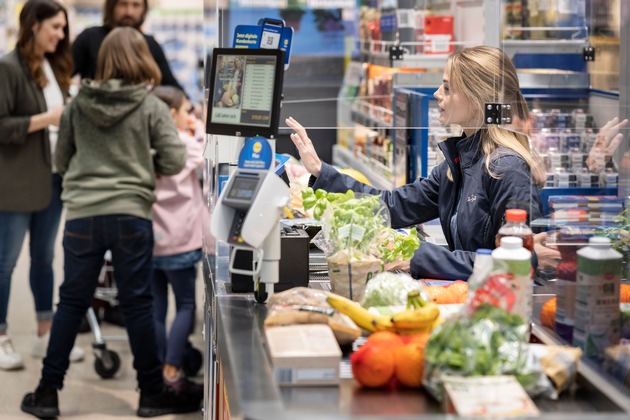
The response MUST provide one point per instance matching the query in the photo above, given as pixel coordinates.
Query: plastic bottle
(566, 272)
(481, 268)
(517, 261)
(597, 314)
(516, 225)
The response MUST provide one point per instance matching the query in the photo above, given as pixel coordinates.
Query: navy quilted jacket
(479, 200)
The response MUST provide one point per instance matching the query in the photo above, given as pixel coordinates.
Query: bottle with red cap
(516, 225)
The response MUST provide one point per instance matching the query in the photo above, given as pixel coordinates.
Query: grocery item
(419, 315)
(455, 292)
(559, 363)
(373, 365)
(491, 341)
(569, 241)
(548, 313)
(303, 305)
(516, 260)
(516, 225)
(409, 363)
(303, 355)
(487, 396)
(597, 314)
(389, 288)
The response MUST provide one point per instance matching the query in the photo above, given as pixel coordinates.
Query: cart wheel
(108, 364)
(193, 359)
(260, 292)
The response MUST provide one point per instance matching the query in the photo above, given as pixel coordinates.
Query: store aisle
(85, 394)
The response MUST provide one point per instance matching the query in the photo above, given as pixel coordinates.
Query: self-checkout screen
(246, 88)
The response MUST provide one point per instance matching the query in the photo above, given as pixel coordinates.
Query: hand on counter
(547, 256)
(305, 147)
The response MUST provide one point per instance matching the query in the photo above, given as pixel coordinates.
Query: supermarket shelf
(424, 61)
(344, 158)
(546, 46)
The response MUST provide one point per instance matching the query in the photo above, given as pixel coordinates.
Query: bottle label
(597, 315)
(519, 275)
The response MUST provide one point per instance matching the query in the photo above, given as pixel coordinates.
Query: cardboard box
(304, 355)
(488, 396)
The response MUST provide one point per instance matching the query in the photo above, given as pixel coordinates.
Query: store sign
(256, 154)
(267, 35)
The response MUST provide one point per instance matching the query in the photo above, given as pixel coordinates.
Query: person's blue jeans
(85, 241)
(182, 281)
(42, 227)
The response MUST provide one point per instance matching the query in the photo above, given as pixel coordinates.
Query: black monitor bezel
(270, 132)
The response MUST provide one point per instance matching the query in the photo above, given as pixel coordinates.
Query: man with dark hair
(117, 13)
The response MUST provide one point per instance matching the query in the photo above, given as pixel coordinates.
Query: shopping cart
(107, 362)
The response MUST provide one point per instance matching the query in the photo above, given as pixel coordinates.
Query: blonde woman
(114, 138)
(486, 170)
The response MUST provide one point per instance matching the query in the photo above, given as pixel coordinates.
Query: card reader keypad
(237, 226)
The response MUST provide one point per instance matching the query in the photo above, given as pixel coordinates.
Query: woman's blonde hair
(486, 75)
(124, 54)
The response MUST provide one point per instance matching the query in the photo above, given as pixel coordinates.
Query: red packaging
(438, 34)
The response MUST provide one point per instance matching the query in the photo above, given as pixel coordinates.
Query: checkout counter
(240, 383)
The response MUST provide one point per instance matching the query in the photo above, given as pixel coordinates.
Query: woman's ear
(36, 28)
(173, 112)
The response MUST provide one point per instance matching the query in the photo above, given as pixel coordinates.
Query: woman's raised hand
(607, 141)
(308, 155)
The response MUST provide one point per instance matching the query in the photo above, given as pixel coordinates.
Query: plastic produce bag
(351, 228)
(389, 289)
(489, 342)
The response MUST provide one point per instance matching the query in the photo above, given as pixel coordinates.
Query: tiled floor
(85, 394)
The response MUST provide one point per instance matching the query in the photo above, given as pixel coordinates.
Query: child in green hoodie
(114, 139)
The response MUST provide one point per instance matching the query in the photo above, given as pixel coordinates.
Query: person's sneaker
(167, 401)
(42, 403)
(41, 344)
(9, 358)
(182, 385)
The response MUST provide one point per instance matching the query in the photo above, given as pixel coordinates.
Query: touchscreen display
(243, 188)
(244, 89)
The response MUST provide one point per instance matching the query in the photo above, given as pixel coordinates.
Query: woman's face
(454, 106)
(48, 33)
(180, 116)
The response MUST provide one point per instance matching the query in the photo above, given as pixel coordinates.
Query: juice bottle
(516, 225)
(597, 315)
(517, 261)
(569, 241)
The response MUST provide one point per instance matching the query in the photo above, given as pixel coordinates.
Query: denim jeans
(182, 281)
(85, 241)
(42, 226)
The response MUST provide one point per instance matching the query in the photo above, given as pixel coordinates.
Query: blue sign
(255, 154)
(271, 34)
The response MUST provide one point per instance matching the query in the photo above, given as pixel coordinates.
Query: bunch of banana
(420, 316)
(360, 315)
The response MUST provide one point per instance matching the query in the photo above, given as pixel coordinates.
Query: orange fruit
(625, 293)
(548, 313)
(386, 337)
(410, 364)
(419, 338)
(373, 365)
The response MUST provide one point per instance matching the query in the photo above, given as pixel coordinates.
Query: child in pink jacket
(177, 227)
